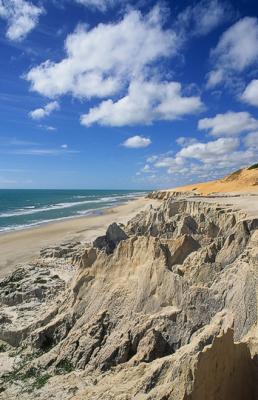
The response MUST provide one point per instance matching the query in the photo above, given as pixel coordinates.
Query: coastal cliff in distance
(243, 180)
(164, 308)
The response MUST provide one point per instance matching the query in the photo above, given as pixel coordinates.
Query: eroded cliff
(163, 308)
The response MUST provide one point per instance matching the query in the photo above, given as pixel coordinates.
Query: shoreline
(92, 213)
(21, 246)
(111, 201)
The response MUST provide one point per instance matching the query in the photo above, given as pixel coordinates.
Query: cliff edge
(164, 308)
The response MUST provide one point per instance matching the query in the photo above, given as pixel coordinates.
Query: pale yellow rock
(169, 313)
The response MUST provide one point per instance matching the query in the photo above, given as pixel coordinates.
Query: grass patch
(29, 379)
(34, 376)
(39, 382)
(3, 348)
(64, 367)
(13, 375)
(30, 373)
(17, 375)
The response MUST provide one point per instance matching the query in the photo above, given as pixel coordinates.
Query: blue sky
(120, 94)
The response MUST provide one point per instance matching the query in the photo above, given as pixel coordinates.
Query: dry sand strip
(23, 246)
(246, 202)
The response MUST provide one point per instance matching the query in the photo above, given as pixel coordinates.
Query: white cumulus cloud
(236, 50)
(42, 112)
(144, 103)
(202, 17)
(115, 58)
(21, 16)
(250, 94)
(210, 151)
(251, 140)
(230, 123)
(101, 61)
(185, 141)
(136, 142)
(206, 160)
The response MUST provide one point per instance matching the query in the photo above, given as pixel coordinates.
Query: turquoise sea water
(20, 209)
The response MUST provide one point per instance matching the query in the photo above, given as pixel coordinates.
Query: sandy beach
(23, 246)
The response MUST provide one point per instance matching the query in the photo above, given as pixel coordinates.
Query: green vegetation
(39, 382)
(254, 166)
(3, 348)
(34, 376)
(64, 367)
(17, 375)
(30, 373)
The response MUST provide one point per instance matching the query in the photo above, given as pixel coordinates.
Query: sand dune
(243, 180)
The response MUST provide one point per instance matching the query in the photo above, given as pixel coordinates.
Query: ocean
(20, 209)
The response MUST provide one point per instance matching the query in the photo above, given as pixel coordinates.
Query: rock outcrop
(111, 239)
(163, 308)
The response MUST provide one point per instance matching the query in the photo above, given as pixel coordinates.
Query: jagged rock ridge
(164, 308)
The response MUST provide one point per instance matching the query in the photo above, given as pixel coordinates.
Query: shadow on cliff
(225, 371)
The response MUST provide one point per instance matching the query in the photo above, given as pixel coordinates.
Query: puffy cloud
(151, 159)
(101, 5)
(21, 16)
(135, 142)
(169, 162)
(215, 77)
(230, 123)
(114, 58)
(147, 169)
(251, 140)
(144, 103)
(40, 113)
(237, 49)
(250, 94)
(100, 62)
(211, 160)
(210, 151)
(185, 141)
(204, 16)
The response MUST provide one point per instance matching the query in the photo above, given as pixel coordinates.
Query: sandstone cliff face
(164, 308)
